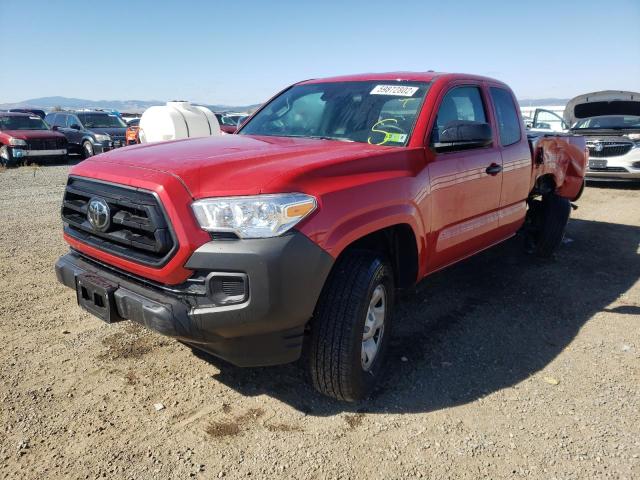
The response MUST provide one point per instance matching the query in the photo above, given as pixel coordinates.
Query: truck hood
(236, 164)
(606, 102)
(29, 134)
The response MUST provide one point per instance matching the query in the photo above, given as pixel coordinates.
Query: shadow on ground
(479, 326)
(614, 185)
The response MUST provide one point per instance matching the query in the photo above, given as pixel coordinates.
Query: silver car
(611, 122)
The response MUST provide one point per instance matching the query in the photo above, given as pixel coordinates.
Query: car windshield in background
(375, 112)
(615, 122)
(101, 120)
(34, 122)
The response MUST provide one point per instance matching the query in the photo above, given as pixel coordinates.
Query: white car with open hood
(610, 121)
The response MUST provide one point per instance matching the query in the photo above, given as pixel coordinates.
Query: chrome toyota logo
(98, 214)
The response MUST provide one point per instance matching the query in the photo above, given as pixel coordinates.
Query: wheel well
(398, 245)
(545, 184)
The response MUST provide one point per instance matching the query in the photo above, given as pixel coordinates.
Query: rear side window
(459, 104)
(506, 115)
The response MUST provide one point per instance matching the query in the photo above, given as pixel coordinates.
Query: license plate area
(95, 295)
(597, 164)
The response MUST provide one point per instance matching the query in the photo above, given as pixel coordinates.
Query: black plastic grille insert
(139, 229)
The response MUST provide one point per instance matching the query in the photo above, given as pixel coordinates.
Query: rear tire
(550, 218)
(351, 327)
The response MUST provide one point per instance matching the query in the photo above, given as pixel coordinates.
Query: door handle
(494, 169)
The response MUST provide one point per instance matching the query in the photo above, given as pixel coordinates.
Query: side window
(506, 116)
(50, 118)
(73, 120)
(459, 104)
(61, 120)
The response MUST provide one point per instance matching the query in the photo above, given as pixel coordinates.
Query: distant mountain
(539, 102)
(133, 106)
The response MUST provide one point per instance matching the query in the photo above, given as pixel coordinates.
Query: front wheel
(87, 150)
(6, 157)
(351, 327)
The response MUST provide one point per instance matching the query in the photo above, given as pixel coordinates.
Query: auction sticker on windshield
(396, 90)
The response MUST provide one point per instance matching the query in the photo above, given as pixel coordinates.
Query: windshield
(101, 120)
(615, 122)
(374, 112)
(22, 123)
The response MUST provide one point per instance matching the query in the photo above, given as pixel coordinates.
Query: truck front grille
(608, 149)
(46, 143)
(137, 227)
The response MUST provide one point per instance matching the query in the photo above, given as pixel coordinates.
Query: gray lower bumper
(285, 277)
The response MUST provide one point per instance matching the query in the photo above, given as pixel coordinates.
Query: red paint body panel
(175, 199)
(451, 204)
(6, 135)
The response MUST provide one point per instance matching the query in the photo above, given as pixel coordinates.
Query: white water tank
(176, 120)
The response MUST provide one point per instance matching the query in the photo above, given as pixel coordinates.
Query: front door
(465, 183)
(548, 121)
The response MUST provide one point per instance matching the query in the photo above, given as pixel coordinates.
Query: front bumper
(285, 276)
(623, 167)
(17, 154)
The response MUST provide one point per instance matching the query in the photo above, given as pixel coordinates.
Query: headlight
(258, 216)
(17, 142)
(102, 138)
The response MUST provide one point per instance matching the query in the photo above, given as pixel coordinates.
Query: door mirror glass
(74, 126)
(463, 134)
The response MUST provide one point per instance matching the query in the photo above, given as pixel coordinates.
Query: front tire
(351, 327)
(87, 150)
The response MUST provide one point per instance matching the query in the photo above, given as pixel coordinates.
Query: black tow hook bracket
(574, 206)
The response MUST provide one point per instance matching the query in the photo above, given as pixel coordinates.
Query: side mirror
(55, 127)
(74, 126)
(462, 135)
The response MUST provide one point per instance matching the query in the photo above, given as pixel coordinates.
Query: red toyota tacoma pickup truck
(300, 229)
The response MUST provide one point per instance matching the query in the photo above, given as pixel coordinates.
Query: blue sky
(240, 52)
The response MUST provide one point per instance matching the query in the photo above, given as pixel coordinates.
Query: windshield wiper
(339, 139)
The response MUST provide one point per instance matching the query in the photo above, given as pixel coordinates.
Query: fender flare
(356, 227)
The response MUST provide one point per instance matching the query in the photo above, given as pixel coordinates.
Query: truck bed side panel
(563, 157)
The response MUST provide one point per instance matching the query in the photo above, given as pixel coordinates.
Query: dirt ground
(503, 366)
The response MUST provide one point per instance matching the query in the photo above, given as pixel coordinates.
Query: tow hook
(574, 206)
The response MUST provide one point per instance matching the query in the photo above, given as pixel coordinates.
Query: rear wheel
(87, 149)
(548, 218)
(351, 327)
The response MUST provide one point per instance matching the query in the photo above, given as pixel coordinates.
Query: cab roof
(18, 114)
(427, 76)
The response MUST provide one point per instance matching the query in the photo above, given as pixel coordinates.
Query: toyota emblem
(98, 214)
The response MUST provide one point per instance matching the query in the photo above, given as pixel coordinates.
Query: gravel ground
(501, 367)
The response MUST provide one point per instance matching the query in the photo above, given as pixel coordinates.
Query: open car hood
(605, 102)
